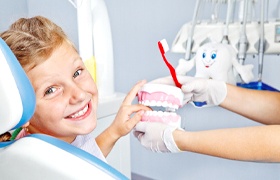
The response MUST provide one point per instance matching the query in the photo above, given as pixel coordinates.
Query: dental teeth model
(164, 100)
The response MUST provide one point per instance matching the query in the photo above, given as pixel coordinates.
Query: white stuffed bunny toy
(216, 61)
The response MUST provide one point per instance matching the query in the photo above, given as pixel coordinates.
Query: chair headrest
(17, 96)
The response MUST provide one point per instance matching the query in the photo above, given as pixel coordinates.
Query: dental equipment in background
(243, 41)
(214, 17)
(235, 31)
(215, 8)
(262, 43)
(163, 47)
(261, 46)
(215, 11)
(204, 29)
(189, 41)
(225, 39)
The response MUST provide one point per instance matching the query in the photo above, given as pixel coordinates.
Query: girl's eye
(50, 90)
(203, 55)
(77, 73)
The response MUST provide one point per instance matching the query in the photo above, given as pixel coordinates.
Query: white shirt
(87, 143)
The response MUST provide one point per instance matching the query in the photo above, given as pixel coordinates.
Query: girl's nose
(77, 94)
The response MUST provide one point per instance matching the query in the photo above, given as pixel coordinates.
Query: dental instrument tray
(258, 85)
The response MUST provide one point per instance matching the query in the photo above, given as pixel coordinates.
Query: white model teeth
(159, 113)
(80, 113)
(159, 103)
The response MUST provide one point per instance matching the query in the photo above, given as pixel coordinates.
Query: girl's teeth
(80, 113)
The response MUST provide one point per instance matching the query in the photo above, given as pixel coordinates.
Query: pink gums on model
(159, 95)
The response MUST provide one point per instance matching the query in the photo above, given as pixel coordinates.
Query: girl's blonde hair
(33, 40)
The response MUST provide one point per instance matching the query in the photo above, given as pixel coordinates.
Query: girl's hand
(125, 121)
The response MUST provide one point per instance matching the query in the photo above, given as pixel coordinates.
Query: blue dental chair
(37, 156)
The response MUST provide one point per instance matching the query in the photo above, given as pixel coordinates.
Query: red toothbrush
(163, 47)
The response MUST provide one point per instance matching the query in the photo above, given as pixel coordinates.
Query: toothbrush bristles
(164, 45)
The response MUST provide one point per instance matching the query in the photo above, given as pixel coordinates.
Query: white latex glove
(199, 91)
(169, 81)
(156, 137)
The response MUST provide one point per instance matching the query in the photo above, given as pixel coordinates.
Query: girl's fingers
(128, 110)
(135, 119)
(132, 93)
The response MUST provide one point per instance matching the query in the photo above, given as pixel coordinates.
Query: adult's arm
(260, 106)
(259, 143)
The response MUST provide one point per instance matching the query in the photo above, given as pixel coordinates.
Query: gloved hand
(199, 91)
(156, 137)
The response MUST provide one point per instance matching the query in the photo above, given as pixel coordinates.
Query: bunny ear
(17, 95)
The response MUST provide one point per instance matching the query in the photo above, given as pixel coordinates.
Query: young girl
(66, 95)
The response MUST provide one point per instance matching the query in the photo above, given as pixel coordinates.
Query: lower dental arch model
(216, 61)
(164, 100)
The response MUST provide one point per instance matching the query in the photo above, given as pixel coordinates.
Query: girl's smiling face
(66, 96)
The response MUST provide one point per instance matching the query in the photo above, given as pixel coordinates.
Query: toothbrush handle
(173, 74)
(170, 67)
